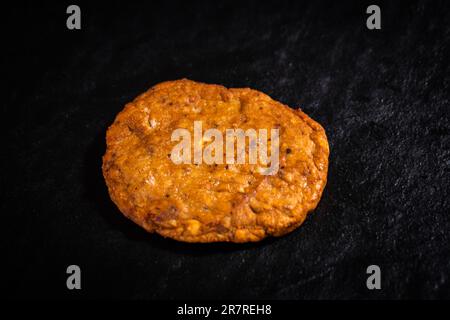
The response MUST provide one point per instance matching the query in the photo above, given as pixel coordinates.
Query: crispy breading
(218, 202)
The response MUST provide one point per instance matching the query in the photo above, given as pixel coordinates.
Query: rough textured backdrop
(382, 96)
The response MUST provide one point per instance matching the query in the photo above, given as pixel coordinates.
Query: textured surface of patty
(218, 202)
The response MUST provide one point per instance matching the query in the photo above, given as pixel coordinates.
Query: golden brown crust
(209, 203)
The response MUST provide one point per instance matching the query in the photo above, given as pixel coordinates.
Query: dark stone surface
(382, 96)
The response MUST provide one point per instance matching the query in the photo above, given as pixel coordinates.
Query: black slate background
(382, 96)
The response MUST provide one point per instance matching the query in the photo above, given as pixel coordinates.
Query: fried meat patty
(212, 202)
